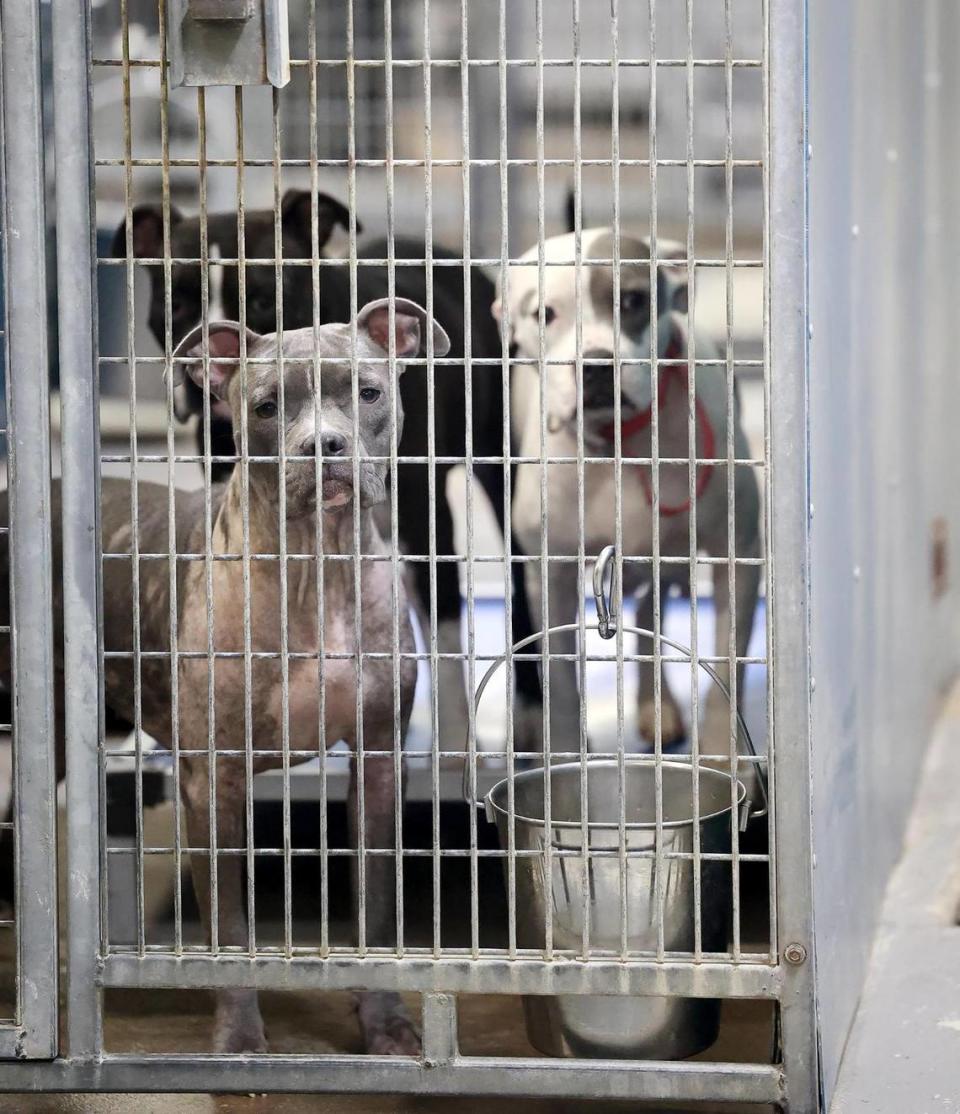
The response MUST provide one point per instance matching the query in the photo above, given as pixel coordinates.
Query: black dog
(335, 306)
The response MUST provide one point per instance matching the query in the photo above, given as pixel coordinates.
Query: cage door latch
(229, 42)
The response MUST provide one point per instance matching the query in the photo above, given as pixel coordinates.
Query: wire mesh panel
(388, 358)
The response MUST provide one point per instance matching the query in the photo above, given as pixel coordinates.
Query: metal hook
(602, 598)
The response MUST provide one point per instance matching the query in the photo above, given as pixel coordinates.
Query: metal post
(30, 545)
(787, 531)
(80, 449)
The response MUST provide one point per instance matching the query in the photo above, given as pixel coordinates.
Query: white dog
(558, 381)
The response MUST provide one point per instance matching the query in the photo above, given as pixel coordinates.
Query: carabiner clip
(604, 599)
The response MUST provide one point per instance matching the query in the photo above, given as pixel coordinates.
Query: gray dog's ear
(224, 349)
(409, 324)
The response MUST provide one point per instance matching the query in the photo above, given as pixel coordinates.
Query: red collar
(666, 378)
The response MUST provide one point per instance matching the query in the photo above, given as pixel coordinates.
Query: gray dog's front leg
(387, 1027)
(238, 1026)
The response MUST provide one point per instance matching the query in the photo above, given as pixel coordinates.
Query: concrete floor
(903, 1053)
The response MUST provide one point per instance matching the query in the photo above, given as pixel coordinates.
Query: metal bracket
(229, 42)
(220, 10)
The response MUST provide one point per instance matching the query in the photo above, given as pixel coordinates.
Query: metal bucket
(584, 890)
(619, 1025)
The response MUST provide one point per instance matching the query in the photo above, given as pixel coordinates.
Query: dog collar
(672, 373)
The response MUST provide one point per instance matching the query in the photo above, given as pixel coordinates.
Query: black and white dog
(594, 302)
(450, 429)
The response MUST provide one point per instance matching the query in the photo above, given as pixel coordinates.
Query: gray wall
(885, 396)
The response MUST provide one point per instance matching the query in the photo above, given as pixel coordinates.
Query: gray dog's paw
(238, 1026)
(386, 1025)
(399, 1037)
(239, 1041)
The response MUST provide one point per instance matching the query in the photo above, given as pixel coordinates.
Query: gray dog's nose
(333, 444)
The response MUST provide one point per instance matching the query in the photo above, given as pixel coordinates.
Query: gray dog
(318, 419)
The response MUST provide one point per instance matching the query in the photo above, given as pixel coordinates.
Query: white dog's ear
(497, 310)
(224, 351)
(673, 288)
(409, 324)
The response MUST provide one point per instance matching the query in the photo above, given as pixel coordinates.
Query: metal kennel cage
(491, 115)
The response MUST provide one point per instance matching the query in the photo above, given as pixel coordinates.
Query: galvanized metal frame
(31, 566)
(79, 444)
(788, 501)
(792, 1084)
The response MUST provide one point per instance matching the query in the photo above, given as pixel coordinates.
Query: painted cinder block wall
(884, 242)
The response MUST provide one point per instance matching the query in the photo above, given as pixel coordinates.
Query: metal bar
(208, 524)
(397, 733)
(355, 556)
(432, 633)
(168, 347)
(30, 510)
(616, 163)
(786, 307)
(374, 261)
(273, 655)
(655, 487)
(731, 474)
(318, 479)
(414, 163)
(134, 493)
(589, 1079)
(468, 443)
(478, 63)
(282, 516)
(692, 498)
(580, 478)
(244, 462)
(462, 974)
(507, 207)
(439, 1029)
(421, 852)
(192, 458)
(544, 502)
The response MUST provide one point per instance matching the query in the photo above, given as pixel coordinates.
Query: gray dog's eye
(369, 394)
(266, 410)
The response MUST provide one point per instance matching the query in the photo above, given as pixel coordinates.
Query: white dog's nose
(598, 377)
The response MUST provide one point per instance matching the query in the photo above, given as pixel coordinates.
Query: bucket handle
(606, 628)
